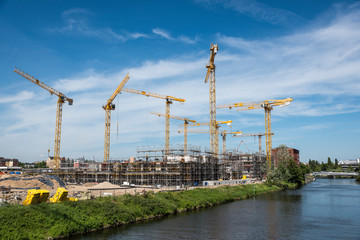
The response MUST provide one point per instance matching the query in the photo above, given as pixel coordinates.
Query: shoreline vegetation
(49, 221)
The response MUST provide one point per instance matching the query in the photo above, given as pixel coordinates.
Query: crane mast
(186, 122)
(210, 76)
(108, 107)
(60, 102)
(223, 134)
(168, 100)
(259, 135)
(268, 106)
(217, 126)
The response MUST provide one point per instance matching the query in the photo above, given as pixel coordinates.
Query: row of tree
(289, 171)
(316, 166)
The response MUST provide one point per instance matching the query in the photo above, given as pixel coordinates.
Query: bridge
(335, 174)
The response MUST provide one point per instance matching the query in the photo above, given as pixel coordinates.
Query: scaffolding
(151, 167)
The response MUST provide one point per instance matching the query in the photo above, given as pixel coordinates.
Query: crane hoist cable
(61, 100)
(108, 107)
(168, 100)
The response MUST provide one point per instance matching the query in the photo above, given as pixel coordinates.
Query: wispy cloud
(87, 80)
(77, 23)
(91, 80)
(319, 62)
(21, 96)
(257, 10)
(314, 127)
(165, 34)
(165, 68)
(318, 67)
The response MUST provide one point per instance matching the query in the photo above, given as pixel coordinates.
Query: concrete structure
(154, 168)
(50, 162)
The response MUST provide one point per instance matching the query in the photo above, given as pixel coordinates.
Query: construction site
(180, 167)
(152, 168)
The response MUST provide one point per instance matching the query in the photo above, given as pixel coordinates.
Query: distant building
(349, 163)
(6, 162)
(9, 166)
(50, 162)
(294, 153)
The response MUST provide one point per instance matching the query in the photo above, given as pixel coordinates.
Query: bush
(357, 178)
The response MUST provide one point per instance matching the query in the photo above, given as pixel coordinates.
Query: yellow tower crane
(108, 107)
(186, 122)
(217, 126)
(259, 135)
(210, 76)
(268, 106)
(60, 102)
(168, 101)
(223, 134)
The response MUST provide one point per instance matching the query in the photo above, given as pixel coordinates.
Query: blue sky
(307, 50)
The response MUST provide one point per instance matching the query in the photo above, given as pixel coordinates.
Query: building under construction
(152, 167)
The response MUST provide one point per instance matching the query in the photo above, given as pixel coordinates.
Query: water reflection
(326, 209)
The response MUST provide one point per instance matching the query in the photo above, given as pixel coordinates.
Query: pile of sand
(90, 184)
(47, 182)
(104, 185)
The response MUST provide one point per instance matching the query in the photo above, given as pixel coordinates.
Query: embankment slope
(47, 220)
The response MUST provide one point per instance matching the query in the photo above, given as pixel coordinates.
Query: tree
(287, 170)
(324, 166)
(330, 165)
(358, 178)
(41, 164)
(283, 155)
(314, 165)
(296, 174)
(336, 163)
(306, 168)
(21, 164)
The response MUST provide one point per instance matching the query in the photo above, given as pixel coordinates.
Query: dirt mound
(47, 182)
(104, 185)
(89, 184)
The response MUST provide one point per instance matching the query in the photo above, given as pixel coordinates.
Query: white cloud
(314, 127)
(165, 34)
(319, 68)
(21, 96)
(319, 62)
(257, 10)
(77, 23)
(162, 33)
(85, 81)
(165, 68)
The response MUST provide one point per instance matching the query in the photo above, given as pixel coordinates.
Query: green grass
(65, 219)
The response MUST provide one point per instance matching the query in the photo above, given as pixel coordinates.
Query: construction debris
(47, 182)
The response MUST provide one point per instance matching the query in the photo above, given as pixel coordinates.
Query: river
(325, 209)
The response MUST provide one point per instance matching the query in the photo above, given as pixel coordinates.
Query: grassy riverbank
(64, 219)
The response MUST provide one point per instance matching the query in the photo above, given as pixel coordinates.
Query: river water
(325, 209)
